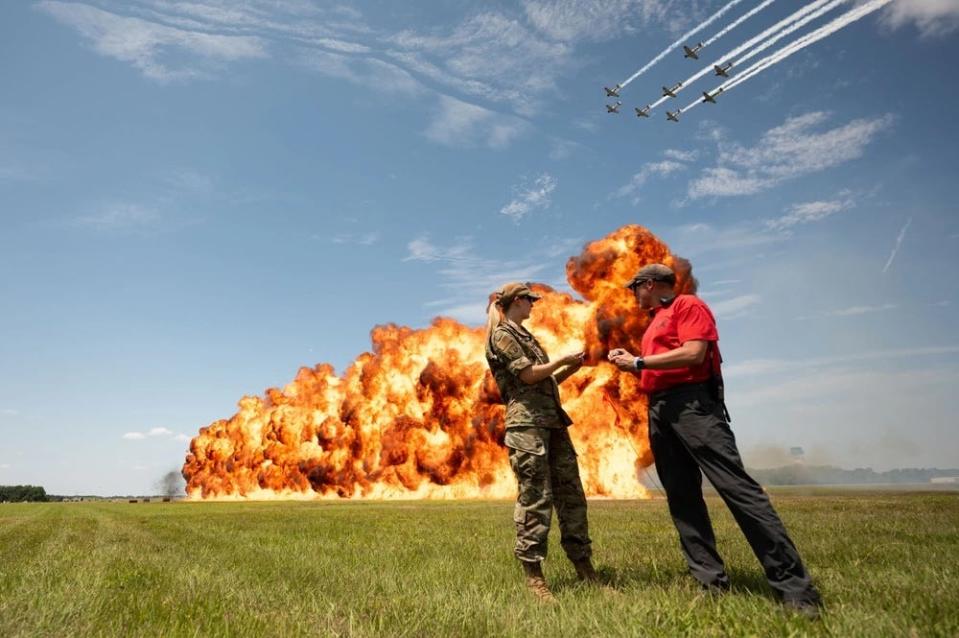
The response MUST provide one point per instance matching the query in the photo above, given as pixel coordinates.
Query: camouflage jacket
(509, 350)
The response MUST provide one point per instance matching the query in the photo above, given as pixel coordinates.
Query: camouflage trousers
(544, 462)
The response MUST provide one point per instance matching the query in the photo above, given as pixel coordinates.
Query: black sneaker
(808, 609)
(716, 588)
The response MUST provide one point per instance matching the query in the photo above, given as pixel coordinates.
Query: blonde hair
(494, 314)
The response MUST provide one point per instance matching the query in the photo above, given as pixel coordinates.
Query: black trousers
(689, 436)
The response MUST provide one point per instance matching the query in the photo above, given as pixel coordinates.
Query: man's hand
(622, 359)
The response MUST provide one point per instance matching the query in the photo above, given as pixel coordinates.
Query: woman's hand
(575, 359)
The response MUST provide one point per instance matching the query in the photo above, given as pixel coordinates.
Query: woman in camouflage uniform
(540, 451)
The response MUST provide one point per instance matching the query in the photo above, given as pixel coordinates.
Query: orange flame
(419, 417)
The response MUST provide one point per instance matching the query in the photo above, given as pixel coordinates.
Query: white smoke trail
(735, 23)
(680, 41)
(895, 249)
(800, 43)
(803, 15)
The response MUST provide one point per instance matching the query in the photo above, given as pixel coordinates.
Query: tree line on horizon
(22, 494)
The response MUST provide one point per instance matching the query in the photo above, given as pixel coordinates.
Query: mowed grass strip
(887, 564)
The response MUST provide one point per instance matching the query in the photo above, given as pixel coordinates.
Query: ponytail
(494, 315)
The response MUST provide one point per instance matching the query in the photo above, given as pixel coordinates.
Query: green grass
(887, 564)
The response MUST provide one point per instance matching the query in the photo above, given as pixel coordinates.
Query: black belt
(676, 390)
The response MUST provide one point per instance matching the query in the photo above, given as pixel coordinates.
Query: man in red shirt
(689, 435)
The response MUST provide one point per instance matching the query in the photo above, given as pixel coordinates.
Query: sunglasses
(528, 298)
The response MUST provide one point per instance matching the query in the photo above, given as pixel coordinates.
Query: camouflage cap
(653, 272)
(512, 291)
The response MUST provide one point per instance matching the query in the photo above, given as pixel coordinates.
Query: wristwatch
(639, 363)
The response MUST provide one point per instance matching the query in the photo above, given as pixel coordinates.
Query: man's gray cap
(653, 272)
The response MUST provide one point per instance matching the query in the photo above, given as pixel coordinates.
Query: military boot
(585, 571)
(536, 582)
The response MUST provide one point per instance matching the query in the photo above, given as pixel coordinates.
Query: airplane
(721, 70)
(691, 53)
(613, 108)
(674, 117)
(672, 92)
(712, 98)
(642, 112)
(612, 92)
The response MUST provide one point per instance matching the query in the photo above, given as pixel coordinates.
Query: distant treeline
(829, 475)
(21, 493)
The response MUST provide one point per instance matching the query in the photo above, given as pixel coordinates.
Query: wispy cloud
(702, 238)
(763, 367)
(490, 55)
(933, 18)
(785, 152)
(120, 216)
(808, 212)
(468, 278)
(650, 169)
(679, 155)
(530, 197)
(895, 248)
(9, 412)
(361, 239)
(461, 124)
(736, 306)
(572, 20)
(155, 433)
(853, 311)
(147, 45)
(369, 73)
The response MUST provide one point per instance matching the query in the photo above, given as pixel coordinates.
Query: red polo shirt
(687, 318)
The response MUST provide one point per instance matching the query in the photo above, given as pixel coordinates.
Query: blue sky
(197, 199)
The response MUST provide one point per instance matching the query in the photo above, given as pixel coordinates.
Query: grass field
(887, 564)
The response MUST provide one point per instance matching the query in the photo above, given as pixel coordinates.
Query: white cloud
(490, 56)
(766, 367)
(650, 169)
(144, 44)
(852, 311)
(461, 124)
(735, 307)
(469, 279)
(531, 197)
(155, 433)
(680, 155)
(701, 238)
(9, 412)
(785, 152)
(120, 216)
(369, 73)
(186, 438)
(571, 20)
(807, 212)
(931, 17)
(361, 239)
(5, 466)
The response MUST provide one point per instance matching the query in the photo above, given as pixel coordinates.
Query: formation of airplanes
(688, 52)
